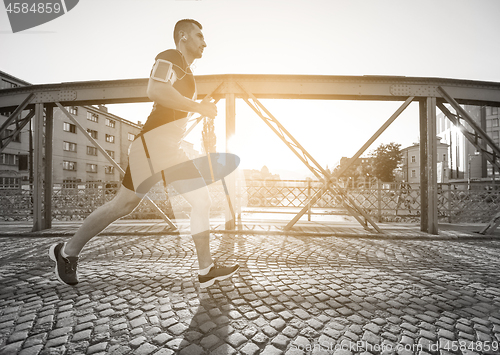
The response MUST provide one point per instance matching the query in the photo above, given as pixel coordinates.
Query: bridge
(38, 101)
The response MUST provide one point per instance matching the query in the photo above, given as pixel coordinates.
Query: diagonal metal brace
(464, 115)
(355, 157)
(305, 157)
(111, 160)
(20, 125)
(13, 118)
(491, 157)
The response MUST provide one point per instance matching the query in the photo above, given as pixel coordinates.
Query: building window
(131, 136)
(8, 159)
(94, 117)
(111, 153)
(91, 168)
(110, 138)
(10, 183)
(69, 147)
(494, 110)
(413, 159)
(494, 122)
(69, 127)
(92, 133)
(72, 109)
(413, 173)
(444, 157)
(91, 150)
(495, 135)
(9, 132)
(109, 169)
(69, 165)
(110, 123)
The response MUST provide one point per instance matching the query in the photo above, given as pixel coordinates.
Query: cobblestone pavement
(293, 295)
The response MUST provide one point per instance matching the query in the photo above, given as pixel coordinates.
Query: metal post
(230, 132)
(38, 168)
(428, 166)
(47, 187)
(379, 200)
(424, 186)
(432, 161)
(308, 198)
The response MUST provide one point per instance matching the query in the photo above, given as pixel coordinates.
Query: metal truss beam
(307, 159)
(472, 137)
(310, 87)
(478, 133)
(15, 118)
(111, 160)
(351, 161)
(492, 225)
(20, 123)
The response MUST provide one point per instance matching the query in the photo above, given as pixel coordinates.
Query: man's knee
(125, 202)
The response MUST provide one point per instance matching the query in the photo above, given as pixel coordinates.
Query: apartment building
(14, 159)
(465, 162)
(75, 158)
(411, 162)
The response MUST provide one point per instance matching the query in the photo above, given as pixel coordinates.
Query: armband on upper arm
(163, 71)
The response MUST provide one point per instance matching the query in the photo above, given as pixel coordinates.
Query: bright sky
(118, 39)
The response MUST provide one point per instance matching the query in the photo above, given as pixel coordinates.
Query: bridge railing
(387, 202)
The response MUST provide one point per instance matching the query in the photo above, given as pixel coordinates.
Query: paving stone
(82, 335)
(136, 342)
(260, 338)
(55, 342)
(97, 348)
(17, 336)
(12, 348)
(207, 326)
(224, 349)
(250, 349)
(145, 349)
(34, 350)
(271, 350)
(209, 341)
(280, 341)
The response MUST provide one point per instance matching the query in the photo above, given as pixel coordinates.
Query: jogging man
(153, 156)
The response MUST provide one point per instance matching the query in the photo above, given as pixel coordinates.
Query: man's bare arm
(166, 95)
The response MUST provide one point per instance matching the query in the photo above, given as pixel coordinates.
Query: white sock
(206, 270)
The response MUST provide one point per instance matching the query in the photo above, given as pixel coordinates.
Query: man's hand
(207, 108)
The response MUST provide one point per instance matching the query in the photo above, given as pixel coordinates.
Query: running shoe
(217, 273)
(65, 267)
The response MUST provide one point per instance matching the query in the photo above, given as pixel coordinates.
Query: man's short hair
(184, 25)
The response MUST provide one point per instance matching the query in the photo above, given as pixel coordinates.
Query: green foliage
(385, 160)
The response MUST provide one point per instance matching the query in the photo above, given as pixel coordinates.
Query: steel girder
(428, 91)
(309, 161)
(478, 137)
(310, 87)
(17, 119)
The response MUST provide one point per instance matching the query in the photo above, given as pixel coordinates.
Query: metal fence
(392, 202)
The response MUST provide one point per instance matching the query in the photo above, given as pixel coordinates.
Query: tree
(386, 159)
(351, 172)
(359, 169)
